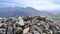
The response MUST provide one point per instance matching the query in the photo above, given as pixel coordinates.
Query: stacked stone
(29, 25)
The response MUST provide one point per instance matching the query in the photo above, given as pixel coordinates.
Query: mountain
(17, 11)
(20, 11)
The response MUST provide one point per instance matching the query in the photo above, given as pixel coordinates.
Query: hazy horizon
(37, 4)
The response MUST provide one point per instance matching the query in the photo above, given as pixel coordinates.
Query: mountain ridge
(21, 11)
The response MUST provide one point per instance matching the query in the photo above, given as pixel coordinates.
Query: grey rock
(29, 25)
(21, 22)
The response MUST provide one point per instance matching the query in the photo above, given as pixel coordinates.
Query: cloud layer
(37, 4)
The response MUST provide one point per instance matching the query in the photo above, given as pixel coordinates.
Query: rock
(1, 24)
(29, 33)
(21, 22)
(44, 33)
(30, 25)
(18, 30)
(25, 31)
(35, 32)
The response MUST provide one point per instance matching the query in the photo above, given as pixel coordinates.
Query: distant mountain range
(20, 11)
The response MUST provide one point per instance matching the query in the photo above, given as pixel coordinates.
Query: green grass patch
(55, 18)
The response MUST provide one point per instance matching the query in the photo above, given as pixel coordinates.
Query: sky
(37, 4)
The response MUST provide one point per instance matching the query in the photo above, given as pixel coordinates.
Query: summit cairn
(28, 25)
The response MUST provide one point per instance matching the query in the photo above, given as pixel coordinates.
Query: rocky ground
(29, 25)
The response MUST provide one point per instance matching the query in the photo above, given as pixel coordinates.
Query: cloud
(40, 4)
(37, 4)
